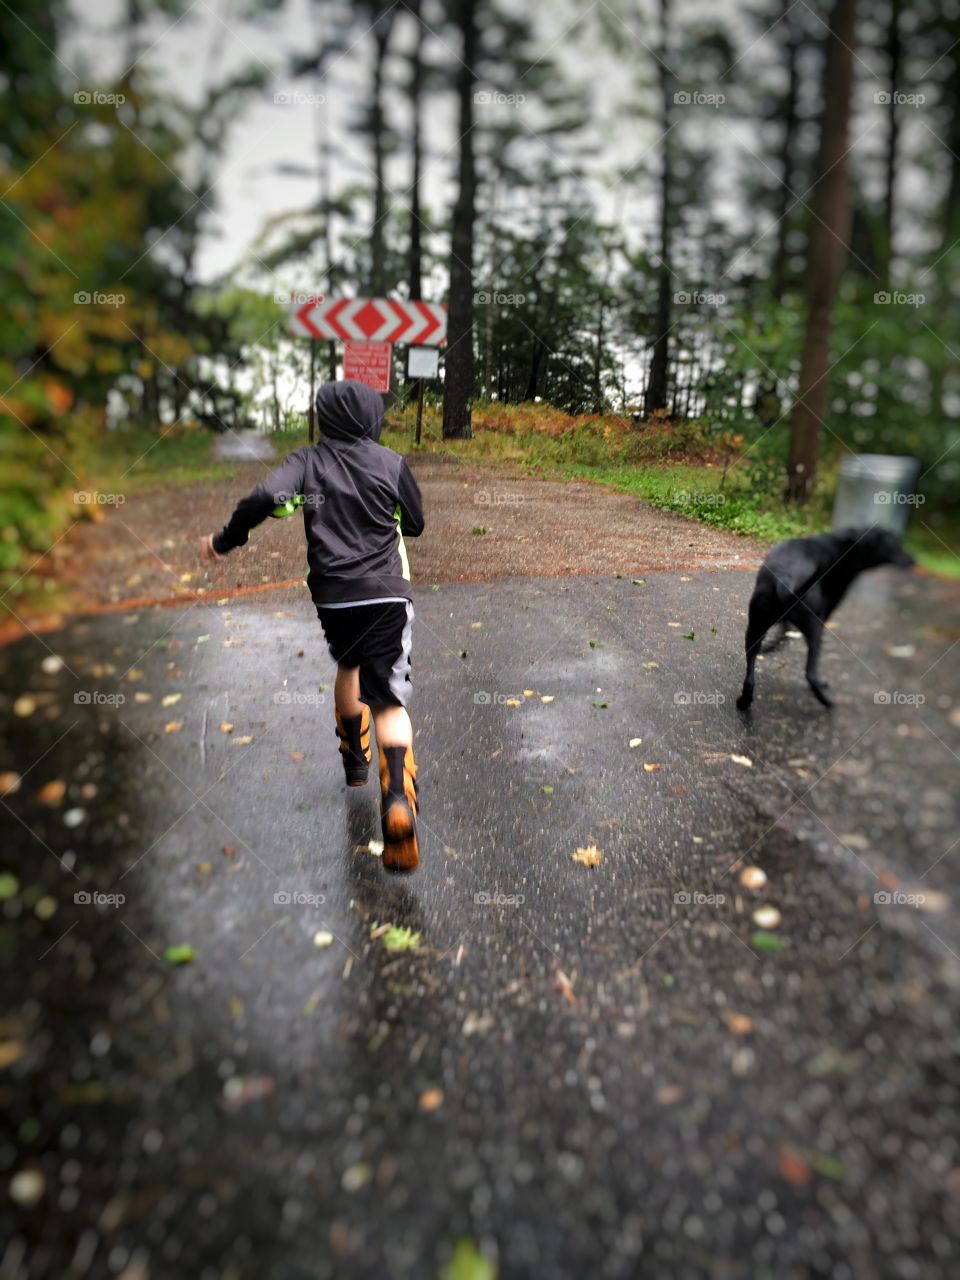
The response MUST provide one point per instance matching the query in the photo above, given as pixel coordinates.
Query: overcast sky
(180, 52)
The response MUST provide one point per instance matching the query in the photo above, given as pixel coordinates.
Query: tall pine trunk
(787, 157)
(656, 395)
(416, 148)
(893, 135)
(459, 360)
(827, 252)
(381, 34)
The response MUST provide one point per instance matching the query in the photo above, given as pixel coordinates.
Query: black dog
(801, 582)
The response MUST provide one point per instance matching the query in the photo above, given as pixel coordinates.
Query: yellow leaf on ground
(170, 699)
(243, 742)
(588, 857)
(226, 726)
(650, 768)
(173, 726)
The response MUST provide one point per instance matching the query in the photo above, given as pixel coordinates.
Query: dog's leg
(812, 627)
(756, 630)
(778, 641)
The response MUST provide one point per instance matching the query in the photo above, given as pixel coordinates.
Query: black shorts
(376, 638)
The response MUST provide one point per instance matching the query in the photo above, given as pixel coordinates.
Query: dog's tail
(778, 641)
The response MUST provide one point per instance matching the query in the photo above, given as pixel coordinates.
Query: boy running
(359, 499)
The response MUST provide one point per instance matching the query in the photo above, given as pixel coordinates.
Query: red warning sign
(368, 362)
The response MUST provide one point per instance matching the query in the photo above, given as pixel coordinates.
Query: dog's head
(875, 546)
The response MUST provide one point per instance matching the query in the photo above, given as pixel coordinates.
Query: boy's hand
(207, 551)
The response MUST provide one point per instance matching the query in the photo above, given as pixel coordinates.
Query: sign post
(368, 362)
(422, 363)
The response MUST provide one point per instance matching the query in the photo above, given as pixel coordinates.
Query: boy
(359, 500)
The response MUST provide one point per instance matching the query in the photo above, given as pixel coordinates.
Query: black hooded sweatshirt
(358, 499)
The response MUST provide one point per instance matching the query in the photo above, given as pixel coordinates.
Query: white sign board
(423, 362)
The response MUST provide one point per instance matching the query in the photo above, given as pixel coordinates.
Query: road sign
(368, 362)
(421, 324)
(423, 362)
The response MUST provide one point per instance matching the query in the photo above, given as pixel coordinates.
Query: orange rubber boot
(398, 808)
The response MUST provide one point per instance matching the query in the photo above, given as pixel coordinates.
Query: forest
(727, 232)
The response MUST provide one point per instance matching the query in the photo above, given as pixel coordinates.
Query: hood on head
(348, 410)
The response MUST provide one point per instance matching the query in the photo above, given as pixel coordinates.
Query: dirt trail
(145, 552)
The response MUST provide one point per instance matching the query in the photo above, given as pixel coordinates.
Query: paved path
(578, 1071)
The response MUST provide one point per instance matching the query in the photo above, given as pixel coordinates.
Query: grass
(675, 473)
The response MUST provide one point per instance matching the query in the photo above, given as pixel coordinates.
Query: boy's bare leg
(398, 788)
(353, 726)
(346, 691)
(393, 727)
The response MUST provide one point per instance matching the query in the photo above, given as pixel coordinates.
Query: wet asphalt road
(579, 1071)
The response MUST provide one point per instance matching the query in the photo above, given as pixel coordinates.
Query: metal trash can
(876, 488)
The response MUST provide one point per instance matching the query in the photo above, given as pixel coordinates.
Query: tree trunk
(827, 252)
(656, 396)
(951, 205)
(381, 34)
(416, 93)
(790, 122)
(893, 133)
(459, 362)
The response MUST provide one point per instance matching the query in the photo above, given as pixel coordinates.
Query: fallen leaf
(226, 726)
(547, 697)
(9, 782)
(588, 857)
(400, 938)
(140, 696)
(601, 706)
(650, 768)
(244, 741)
(240, 1091)
(651, 666)
(634, 743)
(767, 917)
(468, 1263)
(828, 1166)
(51, 793)
(529, 693)
(24, 706)
(513, 702)
(322, 938)
(356, 1177)
(173, 726)
(11, 1051)
(738, 1023)
(296, 756)
(744, 760)
(133, 675)
(27, 1187)
(229, 851)
(170, 699)
(794, 1168)
(182, 953)
(901, 650)
(766, 942)
(753, 878)
(689, 635)
(431, 1100)
(565, 986)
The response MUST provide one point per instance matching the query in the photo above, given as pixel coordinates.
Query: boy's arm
(411, 504)
(281, 485)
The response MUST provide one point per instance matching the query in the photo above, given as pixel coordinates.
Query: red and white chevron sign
(422, 324)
